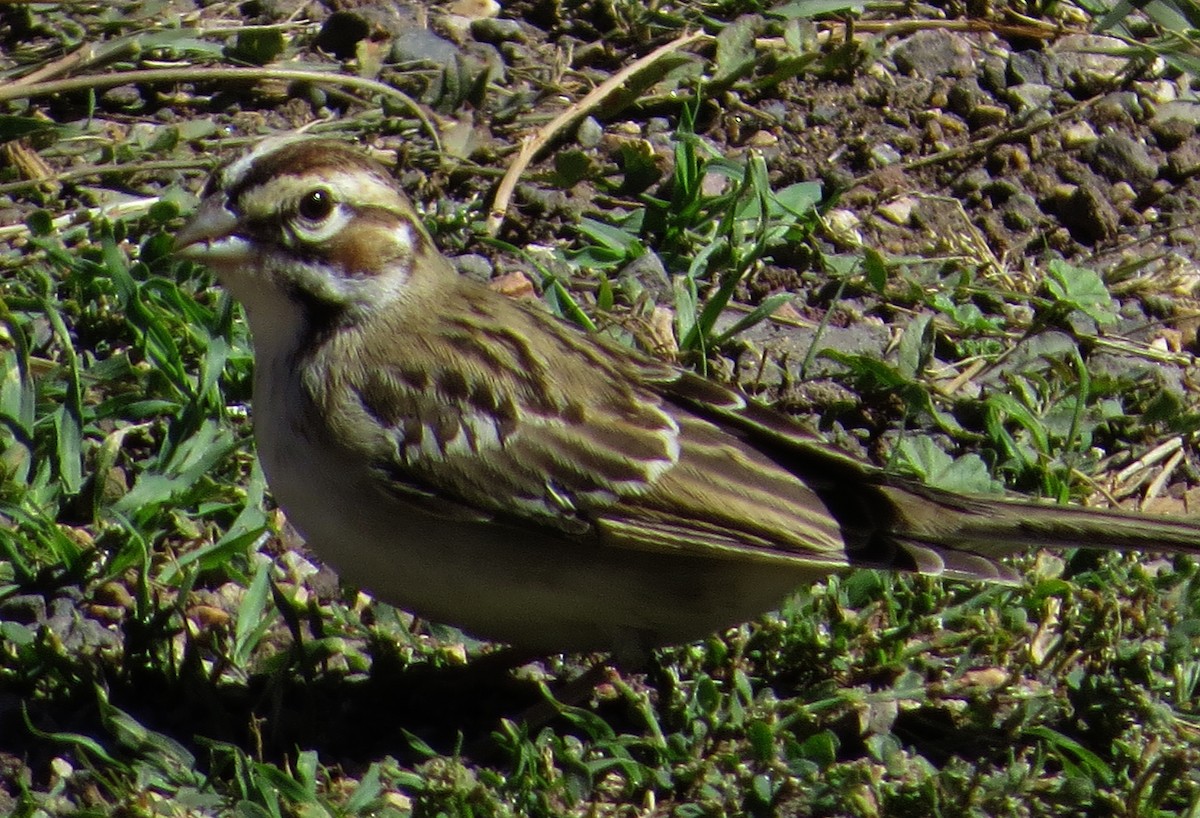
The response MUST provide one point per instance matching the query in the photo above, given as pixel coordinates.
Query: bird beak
(209, 236)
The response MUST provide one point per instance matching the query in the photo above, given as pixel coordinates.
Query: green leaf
(251, 624)
(69, 449)
(736, 56)
(820, 748)
(257, 47)
(1081, 289)
(15, 127)
(571, 167)
(815, 8)
(1074, 755)
(609, 236)
(967, 474)
(40, 223)
(875, 269)
(916, 346)
(756, 316)
(366, 793)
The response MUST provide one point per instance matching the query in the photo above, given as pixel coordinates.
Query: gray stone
(965, 95)
(1122, 158)
(1172, 132)
(1029, 96)
(420, 45)
(1184, 110)
(1078, 135)
(823, 114)
(1184, 162)
(1025, 67)
(992, 75)
(934, 53)
(987, 114)
(1001, 190)
(1086, 70)
(1022, 213)
(124, 97)
(649, 273)
(589, 133)
(884, 154)
(972, 181)
(495, 30)
(473, 265)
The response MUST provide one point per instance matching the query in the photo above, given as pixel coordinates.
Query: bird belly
(537, 589)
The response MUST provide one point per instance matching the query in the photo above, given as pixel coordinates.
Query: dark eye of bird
(316, 205)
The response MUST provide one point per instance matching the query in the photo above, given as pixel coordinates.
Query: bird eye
(316, 205)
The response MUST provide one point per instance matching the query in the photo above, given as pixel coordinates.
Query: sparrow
(478, 462)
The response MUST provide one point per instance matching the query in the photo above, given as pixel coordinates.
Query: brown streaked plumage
(481, 463)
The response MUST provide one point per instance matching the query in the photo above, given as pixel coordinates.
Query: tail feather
(970, 533)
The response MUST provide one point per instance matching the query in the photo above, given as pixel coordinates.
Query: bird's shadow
(397, 710)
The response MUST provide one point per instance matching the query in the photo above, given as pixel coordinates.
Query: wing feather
(571, 433)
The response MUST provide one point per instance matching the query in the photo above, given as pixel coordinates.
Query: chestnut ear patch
(368, 243)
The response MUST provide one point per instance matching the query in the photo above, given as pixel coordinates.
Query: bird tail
(962, 537)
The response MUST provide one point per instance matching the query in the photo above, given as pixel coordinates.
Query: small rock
(987, 114)
(714, 183)
(209, 616)
(473, 9)
(1025, 67)
(1158, 92)
(884, 154)
(898, 211)
(1086, 69)
(1118, 108)
(964, 96)
(1183, 162)
(115, 594)
(589, 133)
(28, 609)
(843, 227)
(1184, 110)
(823, 114)
(495, 30)
(1159, 192)
(1001, 190)
(516, 53)
(992, 77)
(473, 265)
(776, 110)
(970, 182)
(1171, 133)
(1029, 96)
(1022, 213)
(514, 285)
(123, 97)
(1121, 194)
(658, 125)
(420, 45)
(1077, 135)
(762, 139)
(1007, 159)
(649, 273)
(934, 53)
(1121, 158)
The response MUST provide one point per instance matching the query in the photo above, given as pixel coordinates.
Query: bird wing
(573, 433)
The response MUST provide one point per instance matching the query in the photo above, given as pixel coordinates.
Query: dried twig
(533, 144)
